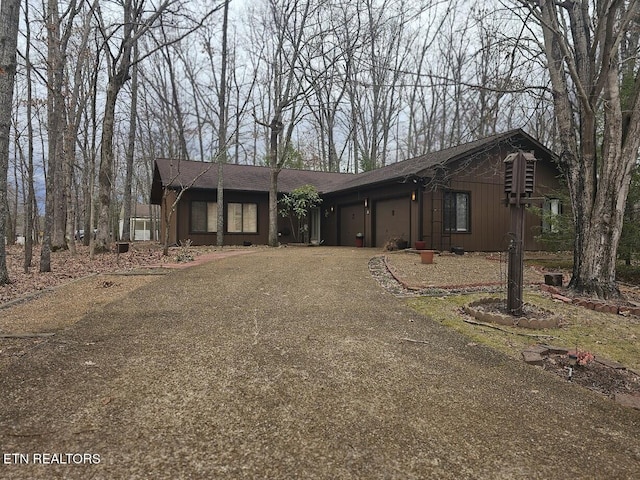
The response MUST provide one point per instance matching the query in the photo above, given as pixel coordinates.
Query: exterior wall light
(413, 196)
(366, 202)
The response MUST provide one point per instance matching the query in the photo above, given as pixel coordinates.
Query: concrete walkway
(293, 363)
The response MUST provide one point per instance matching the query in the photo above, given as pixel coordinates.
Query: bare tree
(136, 22)
(31, 195)
(126, 201)
(222, 128)
(58, 35)
(9, 21)
(119, 52)
(596, 92)
(285, 30)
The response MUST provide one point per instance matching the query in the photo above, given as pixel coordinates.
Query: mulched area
(455, 273)
(595, 376)
(66, 267)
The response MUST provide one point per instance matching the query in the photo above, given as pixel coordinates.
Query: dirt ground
(450, 271)
(293, 363)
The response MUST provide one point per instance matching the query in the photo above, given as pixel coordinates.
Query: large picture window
(242, 218)
(457, 212)
(204, 217)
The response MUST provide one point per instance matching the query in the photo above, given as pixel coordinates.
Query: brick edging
(591, 304)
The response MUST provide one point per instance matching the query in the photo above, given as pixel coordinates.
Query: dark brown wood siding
(489, 216)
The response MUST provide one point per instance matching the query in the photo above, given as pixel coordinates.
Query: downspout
(420, 212)
(433, 235)
(177, 227)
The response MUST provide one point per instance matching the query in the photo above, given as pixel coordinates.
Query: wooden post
(516, 261)
(519, 185)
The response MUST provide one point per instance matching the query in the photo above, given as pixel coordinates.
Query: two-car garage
(386, 219)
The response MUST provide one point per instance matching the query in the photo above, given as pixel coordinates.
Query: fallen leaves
(66, 267)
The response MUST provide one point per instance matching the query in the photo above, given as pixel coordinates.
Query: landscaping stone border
(508, 320)
(591, 304)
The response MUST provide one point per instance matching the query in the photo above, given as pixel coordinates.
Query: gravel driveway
(293, 363)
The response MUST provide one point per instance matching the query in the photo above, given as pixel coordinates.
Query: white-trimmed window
(457, 212)
(242, 218)
(204, 217)
(551, 211)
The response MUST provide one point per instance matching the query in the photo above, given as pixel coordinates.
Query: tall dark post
(519, 182)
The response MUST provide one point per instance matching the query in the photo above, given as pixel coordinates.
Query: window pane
(212, 217)
(550, 212)
(449, 218)
(462, 212)
(198, 216)
(234, 220)
(250, 218)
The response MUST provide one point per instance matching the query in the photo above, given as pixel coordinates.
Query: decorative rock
(612, 309)
(524, 322)
(600, 307)
(562, 298)
(610, 363)
(632, 401)
(553, 350)
(539, 349)
(532, 358)
(624, 310)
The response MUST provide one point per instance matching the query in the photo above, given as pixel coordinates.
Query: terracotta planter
(421, 245)
(426, 256)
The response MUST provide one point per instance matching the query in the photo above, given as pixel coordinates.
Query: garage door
(392, 220)
(351, 223)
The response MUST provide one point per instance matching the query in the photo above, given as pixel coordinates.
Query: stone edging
(597, 305)
(508, 320)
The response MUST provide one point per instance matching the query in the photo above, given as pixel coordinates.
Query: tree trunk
(28, 207)
(9, 21)
(126, 225)
(273, 207)
(276, 128)
(105, 173)
(222, 130)
(598, 172)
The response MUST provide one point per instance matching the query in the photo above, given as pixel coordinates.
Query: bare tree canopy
(317, 84)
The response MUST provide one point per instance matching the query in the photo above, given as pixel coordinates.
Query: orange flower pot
(426, 256)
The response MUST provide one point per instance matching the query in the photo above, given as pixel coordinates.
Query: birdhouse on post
(519, 182)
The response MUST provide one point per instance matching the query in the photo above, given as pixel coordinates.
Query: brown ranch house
(450, 198)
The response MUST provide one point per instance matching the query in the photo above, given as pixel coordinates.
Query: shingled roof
(202, 175)
(178, 174)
